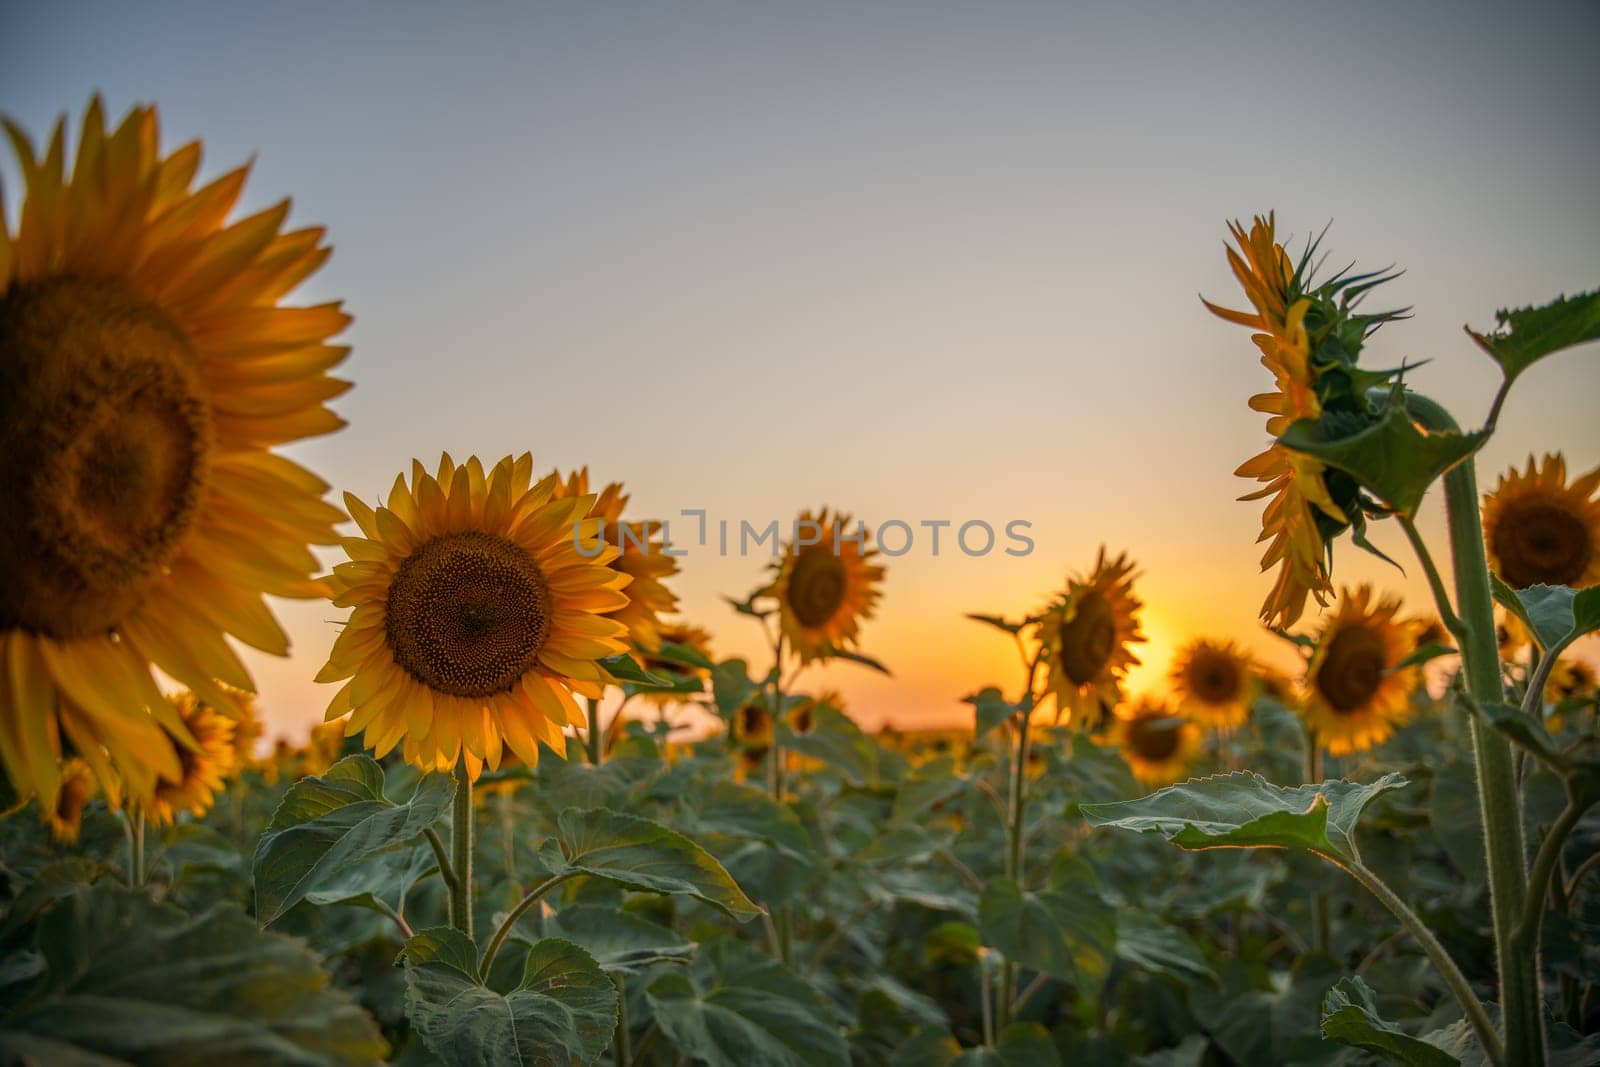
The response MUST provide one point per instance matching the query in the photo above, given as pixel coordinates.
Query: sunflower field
(546, 823)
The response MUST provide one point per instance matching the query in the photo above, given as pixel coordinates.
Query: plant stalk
(504, 930)
(593, 741)
(461, 851)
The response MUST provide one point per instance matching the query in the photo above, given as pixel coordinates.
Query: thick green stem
(1476, 1015)
(593, 740)
(133, 828)
(461, 851)
(620, 1042)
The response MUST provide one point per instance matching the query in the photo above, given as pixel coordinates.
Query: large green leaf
(1527, 335)
(326, 827)
(1019, 1045)
(1162, 948)
(1350, 1015)
(1065, 930)
(1395, 458)
(990, 709)
(618, 940)
(641, 854)
(932, 783)
(1244, 810)
(131, 980)
(1556, 614)
(837, 741)
(736, 1007)
(562, 1012)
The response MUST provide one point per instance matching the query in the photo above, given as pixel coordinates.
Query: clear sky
(919, 261)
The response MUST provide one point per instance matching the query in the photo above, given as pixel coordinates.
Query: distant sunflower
(1158, 745)
(752, 724)
(1086, 636)
(1214, 683)
(64, 813)
(750, 762)
(1511, 636)
(825, 590)
(476, 616)
(685, 636)
(1539, 530)
(205, 768)
(1293, 480)
(641, 554)
(321, 750)
(1356, 690)
(1570, 679)
(1275, 686)
(149, 370)
(802, 718)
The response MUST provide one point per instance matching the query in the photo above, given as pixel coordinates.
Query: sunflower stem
(784, 919)
(593, 740)
(461, 850)
(502, 932)
(133, 830)
(1321, 920)
(1441, 599)
(1544, 865)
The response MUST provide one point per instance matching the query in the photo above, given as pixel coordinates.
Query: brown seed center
(1153, 738)
(1352, 670)
(816, 585)
(1215, 678)
(1088, 638)
(467, 614)
(105, 433)
(1537, 542)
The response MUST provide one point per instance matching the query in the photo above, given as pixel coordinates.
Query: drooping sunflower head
(641, 554)
(683, 637)
(63, 814)
(1086, 638)
(205, 768)
(148, 372)
(1158, 744)
(826, 584)
(1356, 690)
(1541, 530)
(1214, 683)
(1310, 337)
(476, 616)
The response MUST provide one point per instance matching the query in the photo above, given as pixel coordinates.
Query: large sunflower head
(826, 586)
(1086, 637)
(205, 768)
(149, 370)
(641, 554)
(1310, 337)
(63, 814)
(1541, 530)
(1214, 683)
(1356, 692)
(1158, 745)
(476, 616)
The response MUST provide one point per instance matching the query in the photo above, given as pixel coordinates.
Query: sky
(916, 261)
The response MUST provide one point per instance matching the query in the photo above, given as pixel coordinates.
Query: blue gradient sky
(917, 261)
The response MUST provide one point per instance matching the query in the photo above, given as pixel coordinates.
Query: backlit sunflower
(1539, 530)
(1293, 481)
(1214, 683)
(684, 636)
(1158, 745)
(323, 746)
(1356, 691)
(1570, 679)
(752, 724)
(475, 618)
(205, 768)
(641, 555)
(149, 370)
(1086, 636)
(64, 814)
(827, 588)
(802, 717)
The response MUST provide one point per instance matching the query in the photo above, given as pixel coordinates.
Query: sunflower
(476, 616)
(1570, 679)
(802, 717)
(149, 370)
(205, 769)
(752, 724)
(827, 589)
(1356, 690)
(321, 750)
(1511, 635)
(1086, 636)
(1539, 530)
(683, 635)
(64, 814)
(641, 555)
(1214, 683)
(751, 762)
(1293, 480)
(1157, 745)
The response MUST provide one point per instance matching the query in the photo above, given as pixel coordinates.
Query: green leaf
(326, 826)
(1161, 948)
(1019, 1045)
(932, 783)
(562, 1012)
(624, 668)
(128, 979)
(1423, 655)
(1350, 1015)
(1525, 336)
(737, 1007)
(858, 657)
(641, 854)
(687, 655)
(991, 709)
(837, 741)
(1395, 458)
(1066, 931)
(997, 622)
(1555, 614)
(618, 940)
(731, 686)
(1244, 810)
